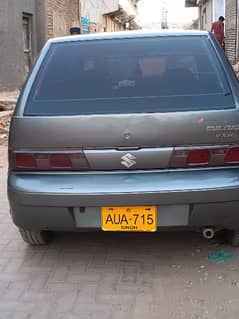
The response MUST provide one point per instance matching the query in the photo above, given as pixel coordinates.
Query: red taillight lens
(198, 157)
(24, 161)
(207, 156)
(232, 155)
(44, 161)
(60, 161)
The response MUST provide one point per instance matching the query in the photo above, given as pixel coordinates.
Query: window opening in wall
(27, 41)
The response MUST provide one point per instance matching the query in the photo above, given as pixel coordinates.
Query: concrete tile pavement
(113, 276)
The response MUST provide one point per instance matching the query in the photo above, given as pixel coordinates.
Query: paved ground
(113, 276)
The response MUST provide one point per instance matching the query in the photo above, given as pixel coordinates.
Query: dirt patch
(7, 105)
(8, 100)
(236, 69)
(9, 95)
(5, 119)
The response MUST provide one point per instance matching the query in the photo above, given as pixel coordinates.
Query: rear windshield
(139, 75)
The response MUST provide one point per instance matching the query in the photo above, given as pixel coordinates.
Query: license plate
(129, 219)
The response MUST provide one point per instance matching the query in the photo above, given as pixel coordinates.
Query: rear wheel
(35, 237)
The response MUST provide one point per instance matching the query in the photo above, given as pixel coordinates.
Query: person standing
(218, 30)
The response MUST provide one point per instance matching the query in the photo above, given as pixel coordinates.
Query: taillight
(205, 156)
(44, 161)
(198, 157)
(232, 155)
(24, 160)
(60, 161)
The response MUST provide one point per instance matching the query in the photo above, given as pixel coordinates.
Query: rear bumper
(74, 200)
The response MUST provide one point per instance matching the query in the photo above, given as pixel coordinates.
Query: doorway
(27, 42)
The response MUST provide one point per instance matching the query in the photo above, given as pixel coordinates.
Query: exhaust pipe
(208, 233)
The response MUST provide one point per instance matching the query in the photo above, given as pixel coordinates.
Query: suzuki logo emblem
(128, 160)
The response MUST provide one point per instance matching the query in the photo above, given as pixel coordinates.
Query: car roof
(128, 34)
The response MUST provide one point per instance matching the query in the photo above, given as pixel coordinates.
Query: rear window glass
(139, 75)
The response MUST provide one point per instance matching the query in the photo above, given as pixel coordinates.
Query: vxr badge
(128, 160)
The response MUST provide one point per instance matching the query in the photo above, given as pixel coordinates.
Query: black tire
(235, 238)
(35, 238)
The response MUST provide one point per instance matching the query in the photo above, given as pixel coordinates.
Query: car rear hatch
(127, 104)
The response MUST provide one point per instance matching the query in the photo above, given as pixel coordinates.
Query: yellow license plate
(129, 219)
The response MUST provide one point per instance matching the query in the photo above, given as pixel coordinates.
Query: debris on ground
(221, 256)
(235, 283)
(5, 95)
(236, 69)
(7, 104)
(8, 100)
(5, 118)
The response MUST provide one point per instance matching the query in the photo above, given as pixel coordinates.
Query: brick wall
(111, 25)
(61, 16)
(231, 30)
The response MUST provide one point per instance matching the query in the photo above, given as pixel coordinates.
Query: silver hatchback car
(130, 131)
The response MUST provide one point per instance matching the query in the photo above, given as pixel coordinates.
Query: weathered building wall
(12, 66)
(96, 12)
(206, 15)
(25, 26)
(231, 30)
(104, 15)
(61, 16)
(111, 24)
(95, 9)
(218, 9)
(41, 23)
(210, 11)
